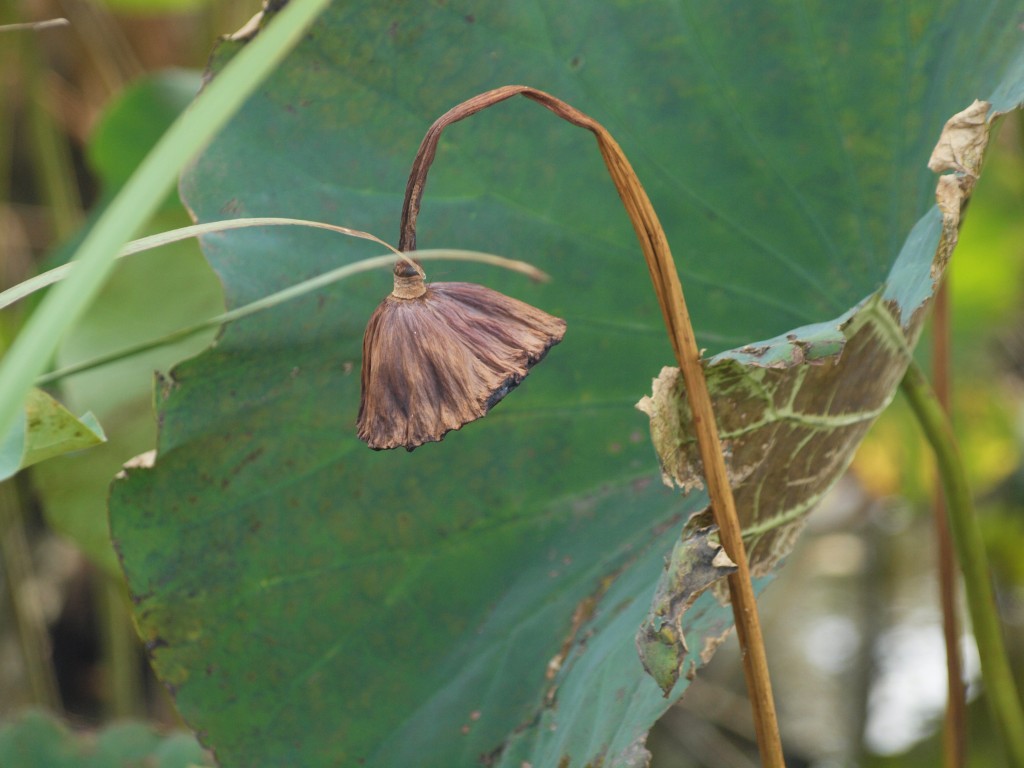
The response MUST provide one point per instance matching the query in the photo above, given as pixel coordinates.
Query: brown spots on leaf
(711, 645)
(640, 484)
(754, 351)
(248, 459)
(584, 612)
(466, 727)
(672, 522)
(232, 207)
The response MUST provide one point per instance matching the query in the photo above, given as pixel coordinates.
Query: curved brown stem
(669, 291)
(428, 147)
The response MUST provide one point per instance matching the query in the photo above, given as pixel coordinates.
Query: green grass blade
(55, 275)
(138, 199)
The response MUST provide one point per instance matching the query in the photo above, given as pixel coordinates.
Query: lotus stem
(1000, 689)
(669, 292)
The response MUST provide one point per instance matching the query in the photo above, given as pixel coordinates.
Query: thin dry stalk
(669, 292)
(955, 727)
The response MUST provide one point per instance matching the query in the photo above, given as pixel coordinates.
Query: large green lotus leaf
(311, 602)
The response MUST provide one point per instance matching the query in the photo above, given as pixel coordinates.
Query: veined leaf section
(789, 428)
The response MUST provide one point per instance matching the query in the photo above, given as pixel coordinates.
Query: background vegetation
(852, 622)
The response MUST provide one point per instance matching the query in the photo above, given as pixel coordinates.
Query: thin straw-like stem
(955, 727)
(1000, 688)
(34, 26)
(279, 297)
(44, 279)
(669, 292)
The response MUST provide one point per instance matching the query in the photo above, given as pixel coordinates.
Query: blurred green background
(852, 623)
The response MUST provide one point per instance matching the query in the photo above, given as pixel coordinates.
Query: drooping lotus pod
(440, 355)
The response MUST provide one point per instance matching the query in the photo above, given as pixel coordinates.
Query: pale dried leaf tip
(247, 31)
(961, 149)
(441, 355)
(668, 432)
(144, 460)
(35, 26)
(962, 144)
(949, 196)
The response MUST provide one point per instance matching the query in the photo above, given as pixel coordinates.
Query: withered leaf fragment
(697, 562)
(441, 355)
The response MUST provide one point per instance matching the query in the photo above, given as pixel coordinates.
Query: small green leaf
(135, 121)
(47, 429)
